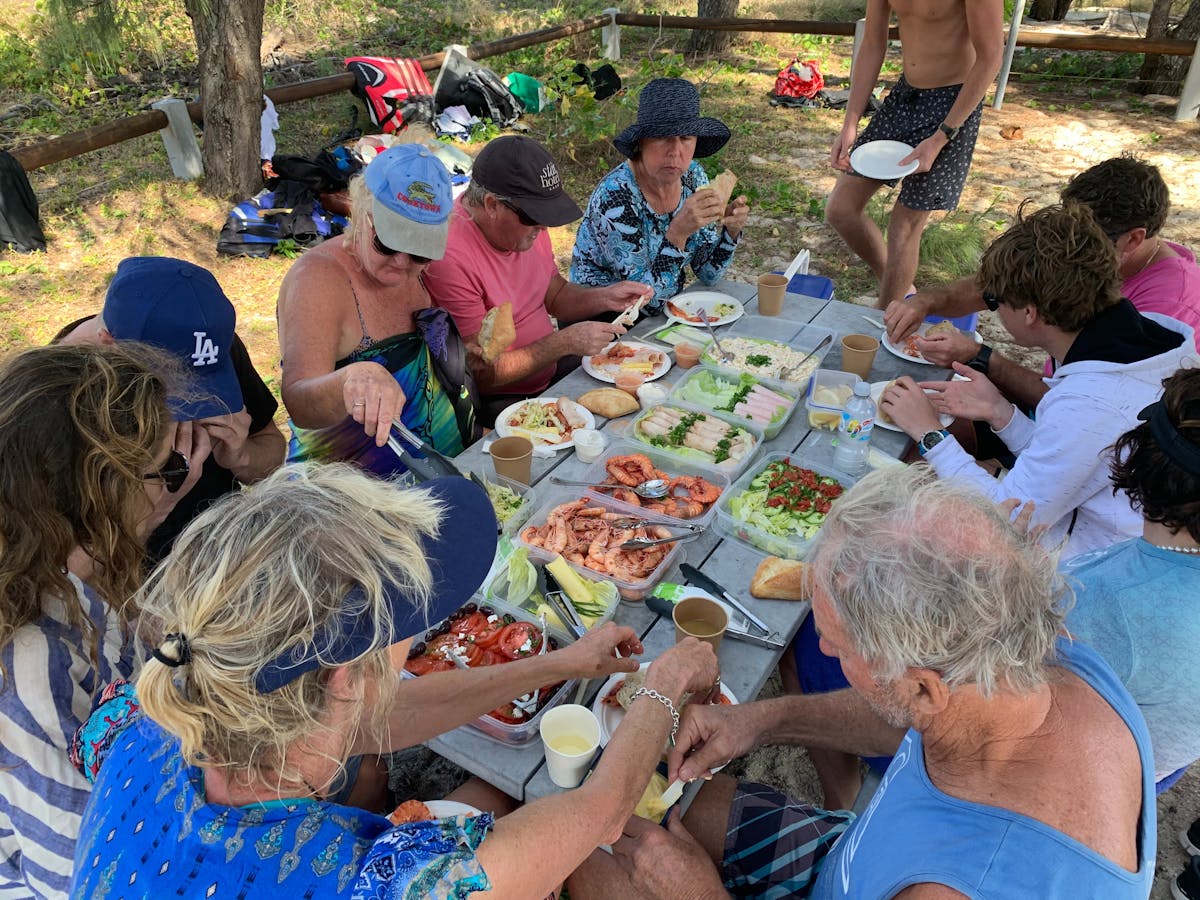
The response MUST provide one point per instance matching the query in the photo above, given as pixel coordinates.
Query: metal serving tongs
(642, 523)
(641, 543)
(722, 354)
(432, 464)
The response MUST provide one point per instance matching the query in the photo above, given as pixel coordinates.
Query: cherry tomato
(472, 623)
(489, 634)
(513, 639)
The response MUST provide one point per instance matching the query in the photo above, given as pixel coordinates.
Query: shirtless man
(952, 51)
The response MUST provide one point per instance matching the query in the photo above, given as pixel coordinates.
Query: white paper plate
(694, 301)
(610, 716)
(877, 390)
(899, 351)
(445, 809)
(504, 430)
(881, 160)
(660, 370)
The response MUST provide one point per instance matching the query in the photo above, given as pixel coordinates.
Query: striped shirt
(47, 695)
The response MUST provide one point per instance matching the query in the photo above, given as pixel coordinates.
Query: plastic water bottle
(854, 431)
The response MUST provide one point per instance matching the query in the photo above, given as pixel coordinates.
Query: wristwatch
(982, 359)
(931, 439)
(950, 131)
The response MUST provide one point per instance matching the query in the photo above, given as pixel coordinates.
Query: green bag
(528, 90)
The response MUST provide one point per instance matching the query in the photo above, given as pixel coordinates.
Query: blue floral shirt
(148, 832)
(621, 238)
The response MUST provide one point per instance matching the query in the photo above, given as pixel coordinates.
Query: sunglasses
(173, 474)
(383, 250)
(992, 302)
(521, 215)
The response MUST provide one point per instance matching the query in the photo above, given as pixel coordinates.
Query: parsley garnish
(758, 359)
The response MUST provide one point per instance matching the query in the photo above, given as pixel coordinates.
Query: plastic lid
(862, 389)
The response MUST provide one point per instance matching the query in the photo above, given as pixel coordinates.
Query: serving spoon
(722, 354)
(790, 370)
(652, 489)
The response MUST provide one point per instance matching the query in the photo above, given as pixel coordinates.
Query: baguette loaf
(781, 579)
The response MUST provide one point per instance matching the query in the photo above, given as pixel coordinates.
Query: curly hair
(978, 602)
(1057, 260)
(1123, 193)
(1158, 488)
(79, 427)
(265, 570)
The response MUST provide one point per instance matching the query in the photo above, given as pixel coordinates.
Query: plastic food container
(798, 336)
(695, 457)
(769, 431)
(589, 444)
(667, 463)
(524, 491)
(786, 547)
(826, 415)
(525, 732)
(497, 591)
(629, 590)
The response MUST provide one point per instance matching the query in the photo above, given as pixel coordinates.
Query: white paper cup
(589, 444)
(570, 737)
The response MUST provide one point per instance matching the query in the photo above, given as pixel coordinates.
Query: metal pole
(1009, 49)
(1189, 97)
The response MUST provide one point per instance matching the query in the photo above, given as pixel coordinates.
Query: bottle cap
(862, 389)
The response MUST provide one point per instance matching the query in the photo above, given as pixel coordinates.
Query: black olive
(444, 628)
(431, 634)
(553, 642)
(470, 608)
(487, 610)
(416, 650)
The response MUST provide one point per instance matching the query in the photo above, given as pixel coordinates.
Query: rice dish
(765, 359)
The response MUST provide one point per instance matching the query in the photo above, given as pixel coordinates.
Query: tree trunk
(1165, 74)
(712, 41)
(228, 38)
(1049, 10)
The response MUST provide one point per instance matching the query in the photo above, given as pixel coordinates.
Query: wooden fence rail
(98, 136)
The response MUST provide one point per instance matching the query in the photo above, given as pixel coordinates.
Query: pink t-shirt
(1170, 287)
(474, 277)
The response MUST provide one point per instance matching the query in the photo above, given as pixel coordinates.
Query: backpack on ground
(396, 91)
(19, 226)
(464, 82)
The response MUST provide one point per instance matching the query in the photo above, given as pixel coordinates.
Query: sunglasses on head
(173, 474)
(383, 250)
(992, 302)
(522, 217)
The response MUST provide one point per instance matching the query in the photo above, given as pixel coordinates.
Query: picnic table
(520, 771)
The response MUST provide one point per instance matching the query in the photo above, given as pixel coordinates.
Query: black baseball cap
(522, 171)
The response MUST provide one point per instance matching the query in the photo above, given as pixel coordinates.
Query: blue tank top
(913, 833)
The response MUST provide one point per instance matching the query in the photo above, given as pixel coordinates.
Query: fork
(790, 370)
(722, 354)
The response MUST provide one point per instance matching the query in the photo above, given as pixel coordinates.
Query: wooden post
(1189, 97)
(1009, 50)
(610, 36)
(183, 150)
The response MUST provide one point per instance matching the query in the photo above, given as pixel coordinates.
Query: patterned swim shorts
(773, 847)
(911, 115)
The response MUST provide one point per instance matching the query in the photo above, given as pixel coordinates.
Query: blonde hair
(360, 212)
(263, 573)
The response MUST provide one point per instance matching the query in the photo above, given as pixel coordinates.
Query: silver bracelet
(665, 701)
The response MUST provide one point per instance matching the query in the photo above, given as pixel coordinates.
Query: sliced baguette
(781, 579)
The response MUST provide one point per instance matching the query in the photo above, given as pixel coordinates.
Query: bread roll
(497, 332)
(608, 402)
(781, 579)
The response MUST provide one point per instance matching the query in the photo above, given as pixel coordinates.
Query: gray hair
(929, 573)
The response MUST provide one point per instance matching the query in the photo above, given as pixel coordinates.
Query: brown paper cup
(858, 354)
(771, 289)
(512, 457)
(701, 618)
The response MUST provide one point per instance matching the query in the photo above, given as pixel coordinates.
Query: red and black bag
(798, 80)
(396, 91)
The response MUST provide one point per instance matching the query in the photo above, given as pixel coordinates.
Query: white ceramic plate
(692, 302)
(445, 809)
(663, 367)
(503, 429)
(877, 390)
(899, 351)
(610, 716)
(881, 160)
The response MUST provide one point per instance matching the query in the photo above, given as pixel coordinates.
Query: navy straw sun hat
(670, 107)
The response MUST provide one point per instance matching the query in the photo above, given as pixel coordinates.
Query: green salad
(786, 501)
(505, 501)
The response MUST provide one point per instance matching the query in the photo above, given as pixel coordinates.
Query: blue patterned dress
(622, 238)
(148, 832)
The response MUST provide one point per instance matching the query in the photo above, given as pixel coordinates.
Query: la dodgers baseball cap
(178, 307)
(410, 200)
